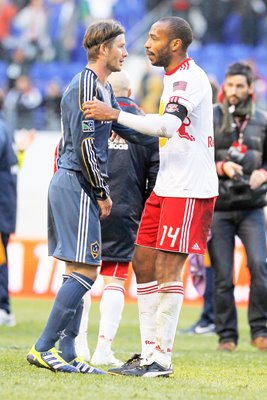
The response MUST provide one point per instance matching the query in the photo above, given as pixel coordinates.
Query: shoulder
(80, 89)
(129, 105)
(194, 75)
(87, 78)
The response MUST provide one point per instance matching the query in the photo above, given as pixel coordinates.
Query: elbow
(164, 132)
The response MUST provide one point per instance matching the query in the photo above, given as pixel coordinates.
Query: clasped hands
(257, 178)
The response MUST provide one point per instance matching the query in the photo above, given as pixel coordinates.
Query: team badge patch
(95, 248)
(172, 108)
(88, 126)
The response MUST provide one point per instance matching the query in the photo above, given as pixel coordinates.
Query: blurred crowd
(51, 31)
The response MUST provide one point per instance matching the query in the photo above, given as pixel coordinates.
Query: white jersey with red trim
(187, 167)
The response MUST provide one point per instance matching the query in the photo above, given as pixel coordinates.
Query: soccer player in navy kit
(129, 191)
(78, 196)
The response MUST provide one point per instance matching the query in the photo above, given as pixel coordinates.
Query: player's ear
(176, 44)
(103, 49)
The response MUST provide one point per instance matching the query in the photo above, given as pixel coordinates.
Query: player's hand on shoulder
(105, 207)
(100, 111)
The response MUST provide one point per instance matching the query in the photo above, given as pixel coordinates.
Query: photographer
(241, 161)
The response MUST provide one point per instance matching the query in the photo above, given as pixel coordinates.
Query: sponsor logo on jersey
(180, 85)
(210, 141)
(95, 248)
(88, 125)
(117, 146)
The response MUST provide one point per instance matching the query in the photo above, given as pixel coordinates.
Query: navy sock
(64, 308)
(67, 339)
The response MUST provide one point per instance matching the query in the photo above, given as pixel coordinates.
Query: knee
(144, 270)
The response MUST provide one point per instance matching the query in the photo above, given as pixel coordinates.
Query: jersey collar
(183, 63)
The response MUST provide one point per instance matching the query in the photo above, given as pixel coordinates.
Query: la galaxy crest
(95, 249)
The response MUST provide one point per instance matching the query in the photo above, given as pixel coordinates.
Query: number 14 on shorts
(169, 232)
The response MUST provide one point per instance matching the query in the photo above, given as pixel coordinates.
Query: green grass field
(200, 371)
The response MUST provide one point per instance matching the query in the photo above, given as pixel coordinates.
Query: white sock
(111, 306)
(81, 344)
(171, 296)
(148, 300)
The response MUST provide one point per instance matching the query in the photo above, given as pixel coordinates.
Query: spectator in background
(32, 25)
(251, 13)
(7, 12)
(8, 204)
(259, 84)
(22, 103)
(101, 9)
(51, 105)
(129, 192)
(215, 12)
(241, 157)
(18, 65)
(63, 23)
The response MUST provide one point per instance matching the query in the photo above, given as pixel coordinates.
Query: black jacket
(132, 171)
(236, 194)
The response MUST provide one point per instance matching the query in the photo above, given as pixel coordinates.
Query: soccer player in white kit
(178, 214)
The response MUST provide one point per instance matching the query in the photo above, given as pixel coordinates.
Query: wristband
(219, 168)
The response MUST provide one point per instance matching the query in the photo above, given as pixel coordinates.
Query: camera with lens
(235, 154)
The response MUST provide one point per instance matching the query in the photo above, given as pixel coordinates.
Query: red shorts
(117, 270)
(176, 224)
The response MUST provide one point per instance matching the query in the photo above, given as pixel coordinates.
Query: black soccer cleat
(146, 371)
(133, 362)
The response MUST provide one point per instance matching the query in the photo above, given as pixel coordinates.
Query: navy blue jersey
(132, 171)
(85, 142)
(8, 180)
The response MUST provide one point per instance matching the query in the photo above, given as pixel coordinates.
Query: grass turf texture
(200, 372)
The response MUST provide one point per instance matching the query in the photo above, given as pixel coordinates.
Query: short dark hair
(240, 68)
(179, 28)
(98, 33)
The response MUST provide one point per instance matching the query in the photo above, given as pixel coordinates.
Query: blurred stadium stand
(214, 58)
(137, 16)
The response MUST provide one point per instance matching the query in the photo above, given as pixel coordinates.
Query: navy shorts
(74, 233)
